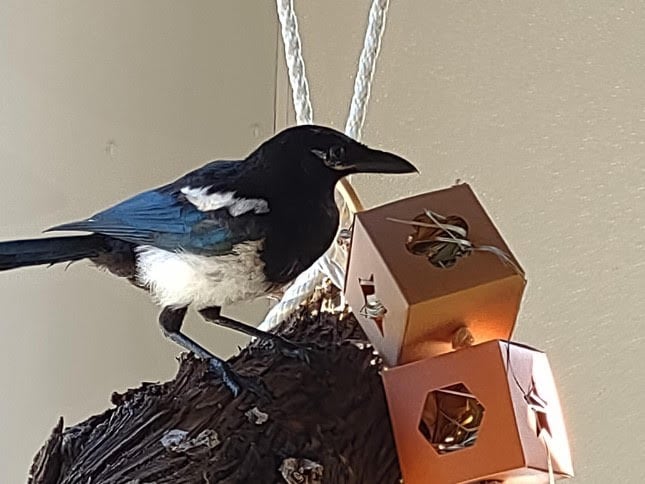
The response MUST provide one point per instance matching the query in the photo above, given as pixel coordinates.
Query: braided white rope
(295, 62)
(366, 68)
(332, 263)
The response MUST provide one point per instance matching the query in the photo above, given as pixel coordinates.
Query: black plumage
(224, 232)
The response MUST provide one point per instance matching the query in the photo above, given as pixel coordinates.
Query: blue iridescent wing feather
(163, 217)
(167, 221)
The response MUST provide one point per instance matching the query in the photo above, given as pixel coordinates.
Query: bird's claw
(256, 386)
(297, 351)
(236, 383)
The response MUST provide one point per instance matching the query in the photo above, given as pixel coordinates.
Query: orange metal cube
(407, 304)
(488, 412)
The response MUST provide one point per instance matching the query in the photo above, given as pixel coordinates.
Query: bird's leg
(171, 320)
(286, 347)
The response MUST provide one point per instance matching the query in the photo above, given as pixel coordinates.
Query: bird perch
(326, 421)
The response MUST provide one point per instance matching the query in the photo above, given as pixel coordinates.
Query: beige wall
(100, 100)
(541, 107)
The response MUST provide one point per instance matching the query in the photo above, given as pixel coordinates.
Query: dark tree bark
(326, 421)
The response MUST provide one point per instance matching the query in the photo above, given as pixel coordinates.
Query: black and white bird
(226, 232)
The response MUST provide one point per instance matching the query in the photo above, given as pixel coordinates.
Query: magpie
(229, 231)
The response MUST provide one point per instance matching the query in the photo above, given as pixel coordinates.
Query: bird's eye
(336, 153)
(333, 157)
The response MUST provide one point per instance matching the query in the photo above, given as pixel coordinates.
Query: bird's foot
(256, 386)
(237, 383)
(290, 349)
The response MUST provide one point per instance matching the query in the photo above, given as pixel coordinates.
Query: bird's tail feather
(32, 252)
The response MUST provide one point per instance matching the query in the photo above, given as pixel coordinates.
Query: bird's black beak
(368, 160)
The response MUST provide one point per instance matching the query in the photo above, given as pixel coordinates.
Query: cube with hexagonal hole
(423, 268)
(488, 412)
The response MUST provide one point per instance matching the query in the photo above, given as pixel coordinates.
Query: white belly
(178, 279)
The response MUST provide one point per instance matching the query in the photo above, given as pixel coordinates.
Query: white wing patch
(205, 201)
(243, 205)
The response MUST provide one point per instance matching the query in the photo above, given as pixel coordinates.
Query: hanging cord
(366, 68)
(332, 263)
(295, 62)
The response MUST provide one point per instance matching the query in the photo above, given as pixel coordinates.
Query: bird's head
(324, 155)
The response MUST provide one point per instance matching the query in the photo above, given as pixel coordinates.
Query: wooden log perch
(326, 422)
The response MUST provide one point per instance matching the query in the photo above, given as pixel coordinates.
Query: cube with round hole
(425, 269)
(490, 412)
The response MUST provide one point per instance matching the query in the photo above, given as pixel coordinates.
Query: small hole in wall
(441, 243)
(451, 418)
(372, 307)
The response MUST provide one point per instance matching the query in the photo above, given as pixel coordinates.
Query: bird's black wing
(198, 213)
